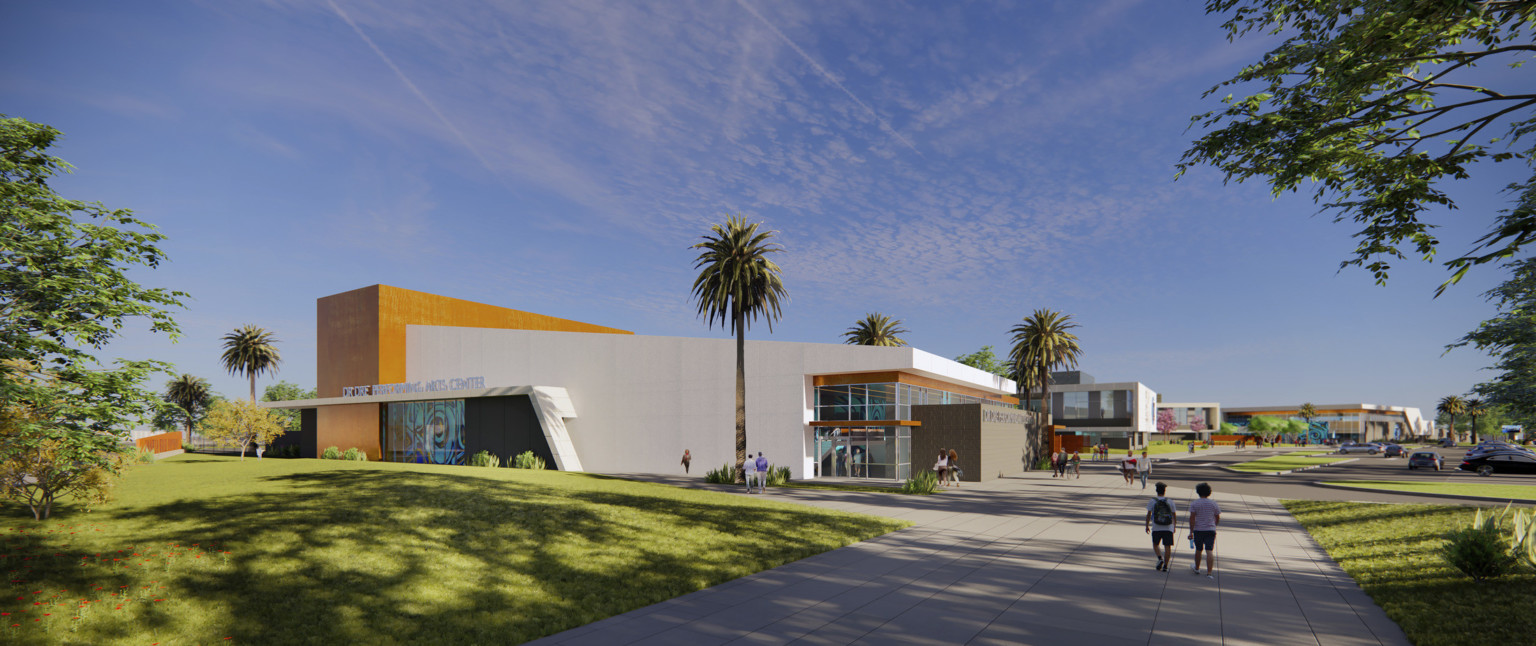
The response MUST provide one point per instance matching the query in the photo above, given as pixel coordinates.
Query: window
(1107, 403)
(1074, 405)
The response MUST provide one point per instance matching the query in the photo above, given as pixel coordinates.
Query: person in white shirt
(1162, 517)
(749, 471)
(1144, 469)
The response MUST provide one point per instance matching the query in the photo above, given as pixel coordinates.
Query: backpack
(1162, 512)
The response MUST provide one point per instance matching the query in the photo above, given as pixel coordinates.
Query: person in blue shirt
(762, 473)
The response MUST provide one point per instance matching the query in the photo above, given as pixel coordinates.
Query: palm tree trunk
(189, 431)
(253, 387)
(1046, 431)
(741, 391)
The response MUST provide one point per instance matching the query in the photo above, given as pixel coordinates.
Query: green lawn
(198, 548)
(1390, 552)
(1502, 492)
(1286, 462)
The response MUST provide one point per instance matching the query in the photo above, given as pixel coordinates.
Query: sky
(953, 165)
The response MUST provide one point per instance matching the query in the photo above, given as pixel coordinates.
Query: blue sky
(952, 165)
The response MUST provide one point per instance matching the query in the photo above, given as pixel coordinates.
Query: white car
(1372, 448)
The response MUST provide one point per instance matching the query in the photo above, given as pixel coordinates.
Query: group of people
(1132, 467)
(1060, 462)
(947, 468)
(754, 470)
(1101, 452)
(1204, 516)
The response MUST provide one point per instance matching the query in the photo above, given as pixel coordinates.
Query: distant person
(1061, 462)
(1077, 465)
(1162, 517)
(762, 473)
(687, 460)
(749, 471)
(941, 466)
(1144, 468)
(953, 460)
(1128, 467)
(1191, 447)
(260, 449)
(1204, 516)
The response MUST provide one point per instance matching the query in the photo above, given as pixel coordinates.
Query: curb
(1456, 496)
(1281, 473)
(165, 454)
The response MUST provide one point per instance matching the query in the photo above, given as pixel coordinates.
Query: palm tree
(1475, 408)
(249, 350)
(875, 329)
(191, 395)
(1451, 406)
(1307, 413)
(1042, 344)
(736, 284)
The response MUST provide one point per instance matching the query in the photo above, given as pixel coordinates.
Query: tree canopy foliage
(249, 350)
(986, 359)
(876, 329)
(1378, 103)
(239, 424)
(287, 391)
(1509, 338)
(64, 294)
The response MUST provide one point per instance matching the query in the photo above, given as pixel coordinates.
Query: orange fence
(160, 443)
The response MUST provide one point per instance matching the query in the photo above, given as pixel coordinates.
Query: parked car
(1447, 442)
(1426, 459)
(1393, 450)
(1371, 448)
(1493, 462)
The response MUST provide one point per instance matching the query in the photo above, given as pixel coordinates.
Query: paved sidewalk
(1023, 560)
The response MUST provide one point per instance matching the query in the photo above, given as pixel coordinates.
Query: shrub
(723, 475)
(1042, 465)
(144, 455)
(485, 459)
(922, 484)
(331, 453)
(355, 454)
(527, 460)
(290, 451)
(778, 476)
(1480, 551)
(188, 448)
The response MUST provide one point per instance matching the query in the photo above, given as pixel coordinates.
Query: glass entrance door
(877, 452)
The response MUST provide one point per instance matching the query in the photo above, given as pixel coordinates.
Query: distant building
(1121, 413)
(1357, 422)
(1209, 413)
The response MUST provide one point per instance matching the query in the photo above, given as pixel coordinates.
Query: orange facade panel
(894, 376)
(348, 426)
(360, 338)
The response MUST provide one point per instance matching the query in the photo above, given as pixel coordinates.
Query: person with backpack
(1162, 517)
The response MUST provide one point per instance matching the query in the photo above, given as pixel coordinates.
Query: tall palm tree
(1475, 408)
(192, 395)
(1041, 344)
(1451, 406)
(1307, 413)
(876, 329)
(738, 283)
(249, 351)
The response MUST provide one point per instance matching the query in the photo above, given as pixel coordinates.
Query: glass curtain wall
(872, 402)
(430, 432)
(876, 452)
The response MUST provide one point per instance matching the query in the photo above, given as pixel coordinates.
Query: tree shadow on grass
(362, 556)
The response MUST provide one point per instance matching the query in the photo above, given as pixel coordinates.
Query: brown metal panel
(349, 425)
(347, 340)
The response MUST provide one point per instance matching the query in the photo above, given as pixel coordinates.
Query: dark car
(1447, 442)
(1393, 451)
(1493, 462)
(1426, 459)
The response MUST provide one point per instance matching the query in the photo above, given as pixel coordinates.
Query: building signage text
(1003, 416)
(430, 386)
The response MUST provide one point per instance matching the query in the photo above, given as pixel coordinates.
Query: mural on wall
(429, 432)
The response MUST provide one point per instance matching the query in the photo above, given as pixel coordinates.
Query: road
(1186, 471)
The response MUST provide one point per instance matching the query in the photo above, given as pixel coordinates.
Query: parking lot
(1185, 471)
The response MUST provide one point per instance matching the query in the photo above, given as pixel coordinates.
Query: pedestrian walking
(1204, 516)
(1077, 463)
(1128, 467)
(687, 460)
(1162, 517)
(941, 466)
(953, 460)
(762, 473)
(1144, 468)
(749, 471)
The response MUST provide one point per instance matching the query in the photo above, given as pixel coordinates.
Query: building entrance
(879, 452)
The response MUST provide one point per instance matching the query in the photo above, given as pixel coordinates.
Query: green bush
(723, 475)
(922, 484)
(189, 448)
(355, 454)
(527, 460)
(144, 455)
(778, 476)
(331, 453)
(485, 459)
(290, 451)
(1043, 465)
(1480, 551)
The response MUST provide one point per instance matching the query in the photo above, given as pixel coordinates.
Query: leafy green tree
(1266, 427)
(1042, 344)
(737, 283)
(189, 397)
(1451, 406)
(1509, 338)
(986, 359)
(285, 391)
(1307, 413)
(239, 424)
(1377, 103)
(1296, 428)
(875, 329)
(65, 293)
(249, 351)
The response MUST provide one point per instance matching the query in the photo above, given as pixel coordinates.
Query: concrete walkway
(1023, 560)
